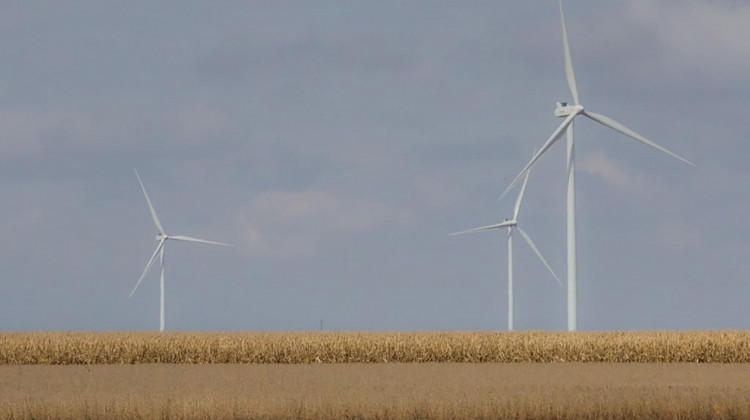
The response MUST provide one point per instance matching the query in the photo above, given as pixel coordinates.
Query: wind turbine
(161, 239)
(570, 112)
(510, 225)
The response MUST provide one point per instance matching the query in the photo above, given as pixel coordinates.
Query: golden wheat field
(458, 391)
(60, 348)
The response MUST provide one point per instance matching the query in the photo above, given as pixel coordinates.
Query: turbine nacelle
(564, 110)
(161, 236)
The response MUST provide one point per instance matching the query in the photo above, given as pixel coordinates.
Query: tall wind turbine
(161, 239)
(510, 225)
(570, 112)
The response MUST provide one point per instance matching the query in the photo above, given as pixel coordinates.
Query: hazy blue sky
(337, 143)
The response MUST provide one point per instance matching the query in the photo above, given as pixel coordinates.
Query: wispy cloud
(616, 175)
(289, 224)
(200, 121)
(25, 132)
(677, 236)
(707, 35)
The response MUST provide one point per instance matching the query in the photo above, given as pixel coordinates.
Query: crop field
(375, 375)
(394, 391)
(58, 348)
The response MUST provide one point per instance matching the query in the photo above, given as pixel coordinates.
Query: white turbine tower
(161, 239)
(570, 112)
(510, 225)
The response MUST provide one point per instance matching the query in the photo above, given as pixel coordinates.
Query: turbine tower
(161, 239)
(510, 225)
(570, 112)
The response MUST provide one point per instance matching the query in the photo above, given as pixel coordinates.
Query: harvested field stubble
(385, 391)
(58, 348)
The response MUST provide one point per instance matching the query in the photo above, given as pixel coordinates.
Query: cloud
(26, 132)
(615, 175)
(707, 35)
(299, 51)
(290, 224)
(199, 120)
(677, 236)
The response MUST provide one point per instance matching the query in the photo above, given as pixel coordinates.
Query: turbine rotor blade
(538, 254)
(555, 136)
(150, 206)
(191, 239)
(609, 122)
(520, 195)
(159, 248)
(483, 228)
(568, 61)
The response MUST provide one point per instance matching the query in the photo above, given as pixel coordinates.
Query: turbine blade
(609, 122)
(159, 247)
(520, 195)
(191, 239)
(150, 206)
(555, 136)
(568, 61)
(538, 254)
(479, 229)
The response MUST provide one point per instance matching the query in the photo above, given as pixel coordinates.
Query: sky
(338, 143)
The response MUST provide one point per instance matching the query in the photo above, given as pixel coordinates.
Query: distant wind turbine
(510, 225)
(570, 112)
(161, 239)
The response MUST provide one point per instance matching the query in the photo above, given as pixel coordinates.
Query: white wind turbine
(570, 112)
(510, 225)
(161, 239)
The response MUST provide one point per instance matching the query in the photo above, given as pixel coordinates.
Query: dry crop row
(59, 348)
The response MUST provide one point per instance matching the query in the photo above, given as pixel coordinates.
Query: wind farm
(335, 147)
(570, 112)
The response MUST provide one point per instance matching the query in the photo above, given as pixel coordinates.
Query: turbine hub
(563, 109)
(160, 236)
